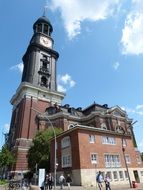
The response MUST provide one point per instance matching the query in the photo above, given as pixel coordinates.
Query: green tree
(6, 159)
(142, 156)
(39, 152)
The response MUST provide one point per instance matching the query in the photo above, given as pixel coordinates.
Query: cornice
(38, 93)
(87, 117)
(94, 129)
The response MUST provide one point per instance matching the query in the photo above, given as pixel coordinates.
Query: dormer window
(116, 113)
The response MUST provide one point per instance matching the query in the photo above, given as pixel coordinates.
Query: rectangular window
(91, 138)
(128, 160)
(124, 143)
(94, 158)
(141, 173)
(46, 29)
(112, 161)
(109, 175)
(121, 175)
(66, 161)
(115, 175)
(108, 140)
(138, 159)
(126, 174)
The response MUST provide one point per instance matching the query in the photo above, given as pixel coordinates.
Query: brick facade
(118, 128)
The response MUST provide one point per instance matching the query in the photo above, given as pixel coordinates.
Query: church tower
(37, 91)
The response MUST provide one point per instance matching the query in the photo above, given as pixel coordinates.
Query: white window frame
(109, 173)
(115, 177)
(93, 158)
(126, 174)
(141, 173)
(127, 158)
(108, 140)
(91, 138)
(112, 160)
(124, 142)
(121, 175)
(65, 142)
(66, 160)
(138, 159)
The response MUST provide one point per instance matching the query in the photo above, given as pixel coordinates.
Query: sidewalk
(113, 187)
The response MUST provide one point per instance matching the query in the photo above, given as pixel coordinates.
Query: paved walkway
(117, 187)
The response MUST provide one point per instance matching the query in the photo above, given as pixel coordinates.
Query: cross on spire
(45, 8)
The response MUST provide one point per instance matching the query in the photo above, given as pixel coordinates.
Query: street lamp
(55, 143)
(123, 149)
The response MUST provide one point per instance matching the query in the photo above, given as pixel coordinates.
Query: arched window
(46, 29)
(119, 129)
(43, 81)
(66, 142)
(39, 28)
(44, 64)
(71, 126)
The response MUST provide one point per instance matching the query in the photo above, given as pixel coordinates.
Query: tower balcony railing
(44, 70)
(45, 61)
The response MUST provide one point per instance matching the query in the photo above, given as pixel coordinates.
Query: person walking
(99, 180)
(61, 181)
(107, 182)
(68, 181)
(46, 182)
(50, 181)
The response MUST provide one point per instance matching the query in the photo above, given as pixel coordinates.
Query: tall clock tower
(37, 91)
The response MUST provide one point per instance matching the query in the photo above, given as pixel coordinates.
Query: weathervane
(45, 8)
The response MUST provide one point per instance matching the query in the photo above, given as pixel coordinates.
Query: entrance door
(136, 176)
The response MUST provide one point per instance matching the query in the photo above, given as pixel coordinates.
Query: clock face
(45, 41)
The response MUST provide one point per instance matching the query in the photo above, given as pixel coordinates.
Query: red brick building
(93, 138)
(96, 138)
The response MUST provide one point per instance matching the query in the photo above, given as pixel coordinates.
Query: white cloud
(137, 110)
(65, 82)
(18, 67)
(73, 12)
(140, 145)
(116, 65)
(66, 79)
(6, 128)
(132, 33)
(61, 88)
(128, 110)
(139, 107)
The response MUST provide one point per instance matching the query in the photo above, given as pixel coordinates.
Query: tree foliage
(6, 157)
(142, 156)
(39, 152)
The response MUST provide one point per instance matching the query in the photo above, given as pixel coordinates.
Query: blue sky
(100, 43)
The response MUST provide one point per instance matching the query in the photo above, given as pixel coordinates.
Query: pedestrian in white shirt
(61, 181)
